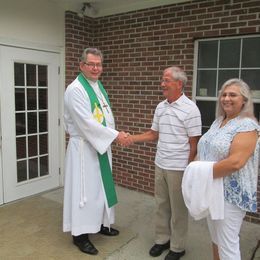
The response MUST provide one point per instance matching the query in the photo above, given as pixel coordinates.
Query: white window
(217, 60)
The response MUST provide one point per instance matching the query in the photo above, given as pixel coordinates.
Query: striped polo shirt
(175, 122)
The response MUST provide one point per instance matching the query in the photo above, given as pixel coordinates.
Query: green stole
(104, 164)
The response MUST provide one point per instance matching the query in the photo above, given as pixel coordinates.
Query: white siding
(32, 23)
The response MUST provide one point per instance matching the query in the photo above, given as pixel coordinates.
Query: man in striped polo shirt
(177, 128)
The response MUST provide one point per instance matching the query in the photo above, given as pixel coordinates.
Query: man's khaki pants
(171, 220)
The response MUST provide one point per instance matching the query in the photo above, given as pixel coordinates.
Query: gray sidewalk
(135, 214)
(31, 229)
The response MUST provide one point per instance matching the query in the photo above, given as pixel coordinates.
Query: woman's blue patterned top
(240, 188)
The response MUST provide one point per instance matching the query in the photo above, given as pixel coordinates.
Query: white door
(29, 83)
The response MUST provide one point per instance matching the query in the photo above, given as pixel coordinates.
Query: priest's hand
(127, 141)
(124, 139)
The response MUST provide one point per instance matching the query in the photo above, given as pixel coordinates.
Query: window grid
(209, 92)
(29, 160)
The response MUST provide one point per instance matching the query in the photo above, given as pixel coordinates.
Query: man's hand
(124, 139)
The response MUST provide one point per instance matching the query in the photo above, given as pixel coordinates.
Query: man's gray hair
(247, 109)
(93, 51)
(178, 74)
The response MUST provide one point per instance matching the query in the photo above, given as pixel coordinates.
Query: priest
(89, 192)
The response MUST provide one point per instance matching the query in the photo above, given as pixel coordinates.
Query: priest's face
(92, 67)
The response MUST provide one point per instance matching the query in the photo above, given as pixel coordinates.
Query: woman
(232, 143)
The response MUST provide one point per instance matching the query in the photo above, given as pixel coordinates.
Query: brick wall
(137, 47)
(78, 35)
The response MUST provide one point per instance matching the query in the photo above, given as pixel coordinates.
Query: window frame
(195, 95)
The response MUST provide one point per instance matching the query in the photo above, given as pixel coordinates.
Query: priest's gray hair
(178, 74)
(248, 107)
(93, 51)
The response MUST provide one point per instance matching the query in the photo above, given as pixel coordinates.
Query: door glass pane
(31, 99)
(43, 143)
(32, 145)
(43, 99)
(33, 168)
(251, 52)
(206, 83)
(42, 76)
(21, 147)
(44, 165)
(20, 123)
(19, 74)
(207, 57)
(230, 49)
(31, 74)
(21, 171)
(30, 122)
(19, 99)
(42, 121)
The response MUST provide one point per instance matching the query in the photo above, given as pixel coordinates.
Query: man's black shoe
(108, 232)
(157, 249)
(174, 255)
(85, 245)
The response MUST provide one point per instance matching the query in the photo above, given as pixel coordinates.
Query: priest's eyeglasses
(93, 65)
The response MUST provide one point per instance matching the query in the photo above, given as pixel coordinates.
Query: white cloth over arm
(202, 194)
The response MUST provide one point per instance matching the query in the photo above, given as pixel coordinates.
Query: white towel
(202, 194)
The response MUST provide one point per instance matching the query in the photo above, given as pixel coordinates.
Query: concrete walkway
(31, 229)
(135, 213)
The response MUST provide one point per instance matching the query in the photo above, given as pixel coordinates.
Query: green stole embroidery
(104, 164)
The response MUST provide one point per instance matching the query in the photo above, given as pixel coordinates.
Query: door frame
(1, 168)
(61, 90)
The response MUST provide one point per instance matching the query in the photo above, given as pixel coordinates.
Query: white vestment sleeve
(79, 107)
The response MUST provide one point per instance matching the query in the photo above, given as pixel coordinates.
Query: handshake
(124, 139)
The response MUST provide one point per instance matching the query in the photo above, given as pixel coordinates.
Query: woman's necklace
(226, 120)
